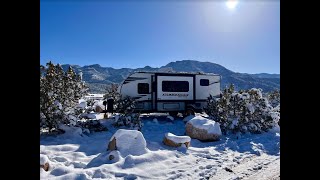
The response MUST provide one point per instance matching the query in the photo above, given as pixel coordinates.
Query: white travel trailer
(170, 92)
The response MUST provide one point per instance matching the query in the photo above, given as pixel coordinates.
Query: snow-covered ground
(255, 156)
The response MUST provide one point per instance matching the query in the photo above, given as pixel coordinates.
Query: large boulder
(128, 142)
(203, 129)
(176, 141)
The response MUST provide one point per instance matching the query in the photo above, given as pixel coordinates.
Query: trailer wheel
(190, 111)
(173, 113)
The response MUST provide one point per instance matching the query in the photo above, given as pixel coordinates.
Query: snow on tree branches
(125, 107)
(243, 111)
(59, 94)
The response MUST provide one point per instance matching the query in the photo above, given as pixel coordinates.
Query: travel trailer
(170, 92)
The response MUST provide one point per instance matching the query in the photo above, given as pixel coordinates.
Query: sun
(231, 4)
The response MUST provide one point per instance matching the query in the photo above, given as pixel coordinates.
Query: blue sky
(140, 33)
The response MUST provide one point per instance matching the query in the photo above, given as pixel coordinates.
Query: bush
(125, 107)
(243, 111)
(92, 125)
(274, 98)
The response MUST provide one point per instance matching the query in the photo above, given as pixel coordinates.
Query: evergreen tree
(50, 111)
(59, 94)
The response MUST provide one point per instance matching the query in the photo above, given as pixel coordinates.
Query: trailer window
(175, 86)
(204, 82)
(143, 88)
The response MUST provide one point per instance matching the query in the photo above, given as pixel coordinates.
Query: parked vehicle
(170, 92)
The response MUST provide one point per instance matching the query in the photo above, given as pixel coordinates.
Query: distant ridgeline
(98, 78)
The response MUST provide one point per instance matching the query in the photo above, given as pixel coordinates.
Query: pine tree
(112, 93)
(59, 94)
(50, 111)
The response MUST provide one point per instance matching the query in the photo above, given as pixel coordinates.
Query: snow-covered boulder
(203, 129)
(114, 156)
(176, 141)
(44, 162)
(128, 142)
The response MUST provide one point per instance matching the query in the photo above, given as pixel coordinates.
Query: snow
(234, 123)
(43, 159)
(130, 142)
(58, 104)
(188, 118)
(82, 105)
(98, 103)
(91, 116)
(82, 100)
(209, 125)
(251, 156)
(250, 108)
(71, 132)
(171, 118)
(155, 120)
(177, 139)
(275, 116)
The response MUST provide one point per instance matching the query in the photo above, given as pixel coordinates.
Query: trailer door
(178, 88)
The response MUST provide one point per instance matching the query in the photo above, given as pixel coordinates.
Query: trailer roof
(193, 73)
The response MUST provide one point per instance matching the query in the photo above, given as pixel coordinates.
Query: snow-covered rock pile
(203, 129)
(176, 141)
(128, 142)
(44, 162)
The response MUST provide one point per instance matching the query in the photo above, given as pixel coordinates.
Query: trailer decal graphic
(175, 94)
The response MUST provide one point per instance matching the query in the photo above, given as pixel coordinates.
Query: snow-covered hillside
(250, 156)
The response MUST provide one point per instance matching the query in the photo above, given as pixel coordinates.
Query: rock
(45, 166)
(176, 141)
(98, 109)
(111, 157)
(128, 142)
(112, 145)
(44, 162)
(228, 169)
(203, 129)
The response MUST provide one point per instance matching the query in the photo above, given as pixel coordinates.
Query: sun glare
(231, 4)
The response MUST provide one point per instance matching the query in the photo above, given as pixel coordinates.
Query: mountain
(98, 77)
(266, 75)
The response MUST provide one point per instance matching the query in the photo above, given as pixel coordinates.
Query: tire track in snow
(253, 167)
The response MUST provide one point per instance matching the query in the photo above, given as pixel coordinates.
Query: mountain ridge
(99, 77)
